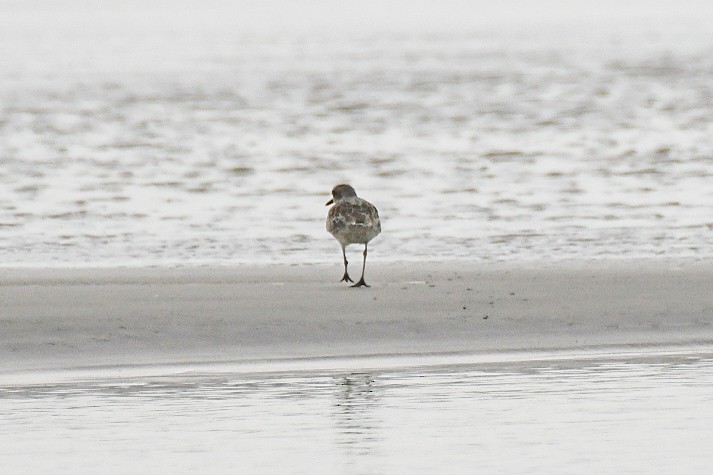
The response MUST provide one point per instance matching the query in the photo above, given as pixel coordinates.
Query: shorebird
(352, 220)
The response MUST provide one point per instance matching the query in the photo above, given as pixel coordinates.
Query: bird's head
(341, 192)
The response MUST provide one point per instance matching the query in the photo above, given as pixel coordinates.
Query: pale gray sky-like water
(212, 132)
(588, 413)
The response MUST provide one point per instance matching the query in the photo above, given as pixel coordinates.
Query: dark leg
(345, 277)
(363, 267)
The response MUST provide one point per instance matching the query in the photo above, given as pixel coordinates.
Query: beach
(510, 367)
(110, 317)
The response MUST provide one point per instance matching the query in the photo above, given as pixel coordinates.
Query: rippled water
(213, 131)
(647, 413)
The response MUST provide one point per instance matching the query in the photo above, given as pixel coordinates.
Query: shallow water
(647, 412)
(205, 132)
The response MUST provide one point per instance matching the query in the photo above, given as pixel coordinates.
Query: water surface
(212, 132)
(641, 412)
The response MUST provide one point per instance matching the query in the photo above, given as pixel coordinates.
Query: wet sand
(55, 318)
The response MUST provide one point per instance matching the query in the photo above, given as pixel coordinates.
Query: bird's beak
(329, 202)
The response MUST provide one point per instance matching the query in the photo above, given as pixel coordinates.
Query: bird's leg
(363, 267)
(345, 277)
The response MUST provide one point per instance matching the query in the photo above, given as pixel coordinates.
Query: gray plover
(352, 220)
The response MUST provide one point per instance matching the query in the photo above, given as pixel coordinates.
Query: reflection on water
(358, 429)
(637, 414)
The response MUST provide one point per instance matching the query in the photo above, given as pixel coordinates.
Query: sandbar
(95, 317)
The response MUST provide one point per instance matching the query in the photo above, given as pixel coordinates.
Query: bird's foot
(346, 278)
(361, 283)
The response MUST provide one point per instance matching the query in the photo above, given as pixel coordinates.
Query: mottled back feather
(353, 220)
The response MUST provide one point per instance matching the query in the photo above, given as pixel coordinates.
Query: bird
(352, 220)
